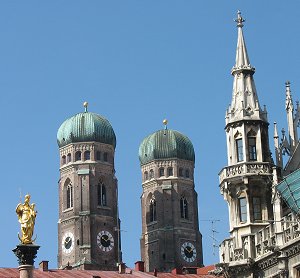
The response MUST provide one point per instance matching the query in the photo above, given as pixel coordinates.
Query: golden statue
(26, 215)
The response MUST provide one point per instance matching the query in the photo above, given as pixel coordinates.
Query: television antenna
(213, 234)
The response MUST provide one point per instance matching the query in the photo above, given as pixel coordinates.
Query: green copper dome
(86, 127)
(164, 144)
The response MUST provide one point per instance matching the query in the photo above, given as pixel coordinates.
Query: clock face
(105, 241)
(67, 242)
(188, 252)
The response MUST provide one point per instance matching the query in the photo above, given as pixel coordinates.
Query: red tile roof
(14, 273)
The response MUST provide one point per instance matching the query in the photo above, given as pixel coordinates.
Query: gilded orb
(85, 104)
(165, 121)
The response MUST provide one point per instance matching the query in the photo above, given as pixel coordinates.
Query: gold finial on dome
(165, 122)
(85, 105)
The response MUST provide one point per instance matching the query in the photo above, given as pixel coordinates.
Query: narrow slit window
(239, 149)
(69, 196)
(184, 208)
(257, 208)
(152, 210)
(243, 209)
(252, 148)
(102, 201)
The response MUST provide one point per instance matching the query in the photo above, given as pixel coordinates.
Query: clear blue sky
(136, 62)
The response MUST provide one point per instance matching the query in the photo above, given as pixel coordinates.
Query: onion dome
(166, 144)
(86, 127)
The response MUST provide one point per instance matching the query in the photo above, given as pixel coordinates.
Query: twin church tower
(89, 224)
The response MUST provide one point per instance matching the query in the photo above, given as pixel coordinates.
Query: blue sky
(136, 62)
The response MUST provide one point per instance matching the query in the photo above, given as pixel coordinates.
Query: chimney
(176, 271)
(139, 266)
(122, 268)
(43, 265)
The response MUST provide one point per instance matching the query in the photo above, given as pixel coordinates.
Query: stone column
(26, 253)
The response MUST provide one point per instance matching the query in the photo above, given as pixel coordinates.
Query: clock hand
(104, 239)
(189, 250)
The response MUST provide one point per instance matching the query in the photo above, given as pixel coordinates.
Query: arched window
(102, 201)
(98, 155)
(151, 174)
(146, 176)
(68, 158)
(63, 160)
(69, 194)
(170, 171)
(78, 156)
(184, 213)
(161, 172)
(187, 173)
(180, 171)
(105, 157)
(87, 155)
(152, 210)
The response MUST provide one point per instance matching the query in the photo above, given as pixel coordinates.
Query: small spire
(165, 122)
(275, 130)
(239, 19)
(85, 105)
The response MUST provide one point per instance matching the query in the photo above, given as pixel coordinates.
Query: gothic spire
(291, 118)
(245, 104)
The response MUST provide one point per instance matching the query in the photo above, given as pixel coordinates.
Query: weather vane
(239, 19)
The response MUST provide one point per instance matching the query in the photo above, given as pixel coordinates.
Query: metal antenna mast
(213, 234)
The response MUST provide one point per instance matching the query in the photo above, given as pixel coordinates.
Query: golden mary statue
(26, 215)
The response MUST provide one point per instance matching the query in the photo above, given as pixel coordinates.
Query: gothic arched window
(105, 157)
(184, 213)
(78, 156)
(87, 155)
(98, 155)
(187, 173)
(68, 158)
(180, 172)
(63, 160)
(151, 174)
(69, 194)
(146, 176)
(152, 210)
(102, 200)
(161, 172)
